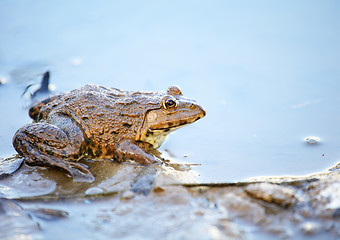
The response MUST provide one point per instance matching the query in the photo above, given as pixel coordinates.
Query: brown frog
(102, 123)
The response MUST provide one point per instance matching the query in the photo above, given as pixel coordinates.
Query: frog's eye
(170, 102)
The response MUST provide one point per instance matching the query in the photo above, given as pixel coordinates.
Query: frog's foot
(128, 149)
(78, 171)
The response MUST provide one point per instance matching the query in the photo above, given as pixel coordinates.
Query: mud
(158, 202)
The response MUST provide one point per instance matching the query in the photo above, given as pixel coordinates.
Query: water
(266, 72)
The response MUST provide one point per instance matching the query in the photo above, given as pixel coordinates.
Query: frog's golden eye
(170, 102)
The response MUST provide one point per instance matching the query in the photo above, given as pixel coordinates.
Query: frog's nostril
(192, 106)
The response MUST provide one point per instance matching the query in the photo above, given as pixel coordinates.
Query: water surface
(266, 72)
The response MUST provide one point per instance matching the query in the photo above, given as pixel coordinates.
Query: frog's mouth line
(171, 126)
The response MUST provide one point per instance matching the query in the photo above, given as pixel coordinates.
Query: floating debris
(45, 82)
(44, 88)
(44, 85)
(312, 140)
(2, 80)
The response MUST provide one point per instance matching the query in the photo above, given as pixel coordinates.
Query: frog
(97, 122)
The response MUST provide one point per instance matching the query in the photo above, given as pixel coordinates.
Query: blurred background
(267, 72)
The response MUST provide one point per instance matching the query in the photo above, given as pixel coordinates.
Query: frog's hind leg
(46, 144)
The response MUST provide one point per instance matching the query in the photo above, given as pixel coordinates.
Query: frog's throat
(143, 131)
(140, 130)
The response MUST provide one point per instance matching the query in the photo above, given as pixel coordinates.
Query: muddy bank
(161, 202)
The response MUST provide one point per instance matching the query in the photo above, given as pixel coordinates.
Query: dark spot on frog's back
(109, 107)
(114, 132)
(49, 151)
(128, 125)
(90, 108)
(88, 95)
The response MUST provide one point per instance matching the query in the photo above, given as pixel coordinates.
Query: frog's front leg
(55, 144)
(128, 149)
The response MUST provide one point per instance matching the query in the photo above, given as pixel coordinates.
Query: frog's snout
(203, 112)
(199, 111)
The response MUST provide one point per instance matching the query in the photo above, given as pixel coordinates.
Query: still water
(267, 73)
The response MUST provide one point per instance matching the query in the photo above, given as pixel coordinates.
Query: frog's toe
(80, 172)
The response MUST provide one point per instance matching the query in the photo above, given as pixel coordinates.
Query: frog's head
(174, 111)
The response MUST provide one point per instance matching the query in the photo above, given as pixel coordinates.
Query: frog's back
(106, 115)
(102, 111)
